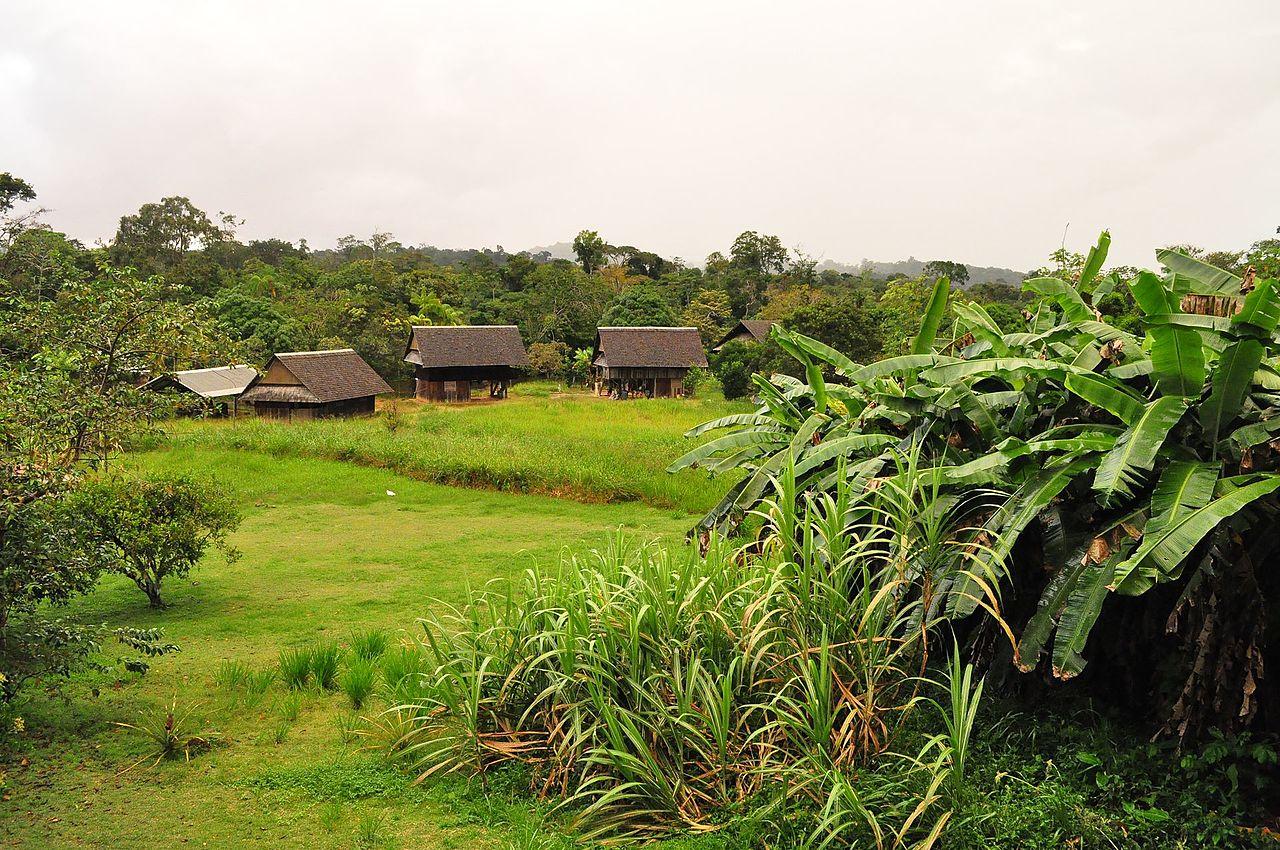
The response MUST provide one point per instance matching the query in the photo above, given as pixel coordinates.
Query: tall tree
(590, 249)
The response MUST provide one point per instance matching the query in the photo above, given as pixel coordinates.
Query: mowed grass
(571, 445)
(327, 553)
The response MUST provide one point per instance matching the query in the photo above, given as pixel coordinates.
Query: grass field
(575, 446)
(327, 551)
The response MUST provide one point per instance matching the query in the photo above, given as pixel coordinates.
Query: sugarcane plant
(1123, 464)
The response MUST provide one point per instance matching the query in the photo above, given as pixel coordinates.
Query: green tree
(590, 250)
(957, 273)
(13, 190)
(709, 313)
(639, 305)
(549, 359)
(158, 236)
(148, 529)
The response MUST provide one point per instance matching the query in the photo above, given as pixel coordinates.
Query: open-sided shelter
(747, 330)
(648, 361)
(448, 359)
(218, 388)
(312, 384)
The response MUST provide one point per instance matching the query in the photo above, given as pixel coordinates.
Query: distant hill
(558, 251)
(911, 267)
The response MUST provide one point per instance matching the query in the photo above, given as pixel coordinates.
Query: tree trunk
(152, 589)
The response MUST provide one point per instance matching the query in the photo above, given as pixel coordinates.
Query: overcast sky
(973, 131)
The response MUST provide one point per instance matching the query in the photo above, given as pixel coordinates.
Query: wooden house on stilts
(315, 384)
(747, 330)
(649, 362)
(448, 359)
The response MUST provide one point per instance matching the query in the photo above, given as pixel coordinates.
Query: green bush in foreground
(658, 689)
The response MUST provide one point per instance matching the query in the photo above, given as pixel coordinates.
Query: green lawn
(576, 445)
(326, 551)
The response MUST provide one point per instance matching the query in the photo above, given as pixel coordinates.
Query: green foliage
(549, 359)
(172, 733)
(639, 305)
(357, 680)
(643, 675)
(342, 780)
(369, 645)
(148, 529)
(295, 667)
(1071, 423)
(325, 659)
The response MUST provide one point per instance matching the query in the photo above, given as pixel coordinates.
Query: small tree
(151, 528)
(548, 359)
(580, 367)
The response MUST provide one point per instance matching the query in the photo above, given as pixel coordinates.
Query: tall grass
(655, 688)
(295, 667)
(583, 448)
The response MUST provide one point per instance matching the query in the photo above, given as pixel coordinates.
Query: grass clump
(403, 672)
(325, 659)
(357, 680)
(370, 644)
(295, 667)
(232, 675)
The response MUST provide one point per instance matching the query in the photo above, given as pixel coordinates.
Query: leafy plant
(171, 734)
(1119, 463)
(657, 688)
(149, 529)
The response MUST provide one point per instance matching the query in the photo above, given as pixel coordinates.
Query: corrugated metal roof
(215, 382)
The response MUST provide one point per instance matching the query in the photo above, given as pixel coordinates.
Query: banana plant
(1129, 455)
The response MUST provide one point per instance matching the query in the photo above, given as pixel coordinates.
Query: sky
(980, 132)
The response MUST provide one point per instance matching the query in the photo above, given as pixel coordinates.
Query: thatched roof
(654, 348)
(216, 382)
(445, 346)
(756, 330)
(323, 376)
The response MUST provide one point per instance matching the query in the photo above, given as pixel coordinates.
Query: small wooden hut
(747, 330)
(218, 388)
(448, 359)
(649, 362)
(313, 384)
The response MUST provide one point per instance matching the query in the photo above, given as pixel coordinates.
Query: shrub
(645, 678)
(357, 680)
(151, 528)
(1119, 465)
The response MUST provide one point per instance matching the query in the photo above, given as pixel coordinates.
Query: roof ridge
(460, 327)
(211, 369)
(324, 351)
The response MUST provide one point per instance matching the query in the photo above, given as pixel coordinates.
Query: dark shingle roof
(757, 329)
(325, 376)
(668, 348)
(442, 346)
(216, 382)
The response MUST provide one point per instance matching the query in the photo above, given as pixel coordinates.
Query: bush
(646, 677)
(549, 359)
(151, 528)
